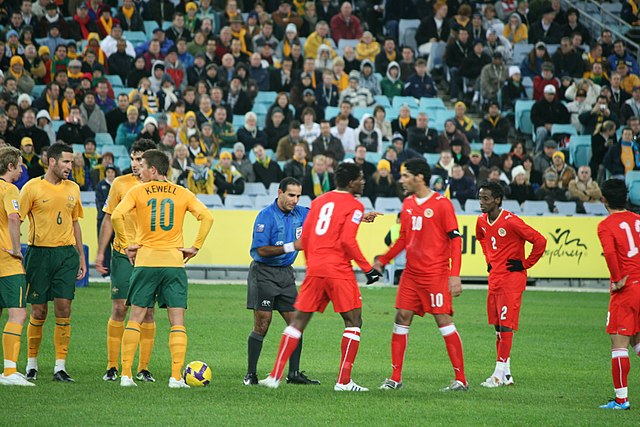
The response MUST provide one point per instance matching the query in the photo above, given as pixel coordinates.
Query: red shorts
(503, 308)
(429, 295)
(316, 292)
(623, 317)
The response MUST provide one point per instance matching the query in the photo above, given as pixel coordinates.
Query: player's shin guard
(178, 349)
(130, 340)
(399, 341)
(61, 339)
(11, 346)
(350, 344)
(147, 338)
(115, 330)
(254, 348)
(288, 344)
(34, 336)
(454, 349)
(620, 371)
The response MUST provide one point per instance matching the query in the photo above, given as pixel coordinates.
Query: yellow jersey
(120, 187)
(9, 196)
(52, 210)
(161, 207)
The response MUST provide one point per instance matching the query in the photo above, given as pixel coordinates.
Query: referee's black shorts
(270, 288)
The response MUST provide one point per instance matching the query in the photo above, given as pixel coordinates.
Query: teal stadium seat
(632, 179)
(382, 100)
(398, 101)
(523, 116)
(104, 139)
(580, 150)
(115, 80)
(432, 158)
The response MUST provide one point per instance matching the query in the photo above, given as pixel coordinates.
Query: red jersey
(329, 236)
(619, 235)
(429, 233)
(503, 240)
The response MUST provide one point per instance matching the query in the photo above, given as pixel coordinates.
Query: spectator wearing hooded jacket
(368, 78)
(356, 95)
(392, 85)
(368, 135)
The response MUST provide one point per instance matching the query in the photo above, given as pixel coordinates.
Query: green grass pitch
(560, 361)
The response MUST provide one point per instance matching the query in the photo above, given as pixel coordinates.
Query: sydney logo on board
(564, 247)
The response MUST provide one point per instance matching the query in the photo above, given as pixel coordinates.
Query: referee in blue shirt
(271, 284)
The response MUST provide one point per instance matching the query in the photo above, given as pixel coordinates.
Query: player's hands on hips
(188, 253)
(371, 216)
(373, 276)
(616, 286)
(100, 268)
(515, 265)
(13, 253)
(455, 286)
(132, 251)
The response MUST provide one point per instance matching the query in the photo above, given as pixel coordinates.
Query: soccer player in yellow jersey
(159, 255)
(120, 272)
(55, 257)
(13, 286)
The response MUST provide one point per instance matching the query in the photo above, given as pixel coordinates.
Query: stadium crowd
(252, 91)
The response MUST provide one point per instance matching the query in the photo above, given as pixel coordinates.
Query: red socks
(454, 349)
(350, 344)
(399, 341)
(620, 371)
(288, 343)
(504, 346)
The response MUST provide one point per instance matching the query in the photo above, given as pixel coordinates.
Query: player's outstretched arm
(77, 234)
(106, 230)
(371, 216)
(397, 247)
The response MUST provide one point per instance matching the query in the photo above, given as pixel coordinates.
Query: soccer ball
(197, 374)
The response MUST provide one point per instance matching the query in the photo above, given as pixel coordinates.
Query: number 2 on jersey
(633, 247)
(324, 218)
(163, 214)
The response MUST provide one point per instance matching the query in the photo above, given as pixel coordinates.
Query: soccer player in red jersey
(329, 242)
(619, 235)
(502, 236)
(429, 233)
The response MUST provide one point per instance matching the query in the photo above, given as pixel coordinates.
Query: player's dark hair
(615, 192)
(8, 156)
(346, 173)
(419, 167)
(142, 145)
(287, 182)
(157, 159)
(495, 188)
(55, 151)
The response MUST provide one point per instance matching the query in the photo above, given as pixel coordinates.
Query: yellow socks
(61, 337)
(11, 346)
(34, 336)
(130, 340)
(115, 330)
(178, 349)
(147, 338)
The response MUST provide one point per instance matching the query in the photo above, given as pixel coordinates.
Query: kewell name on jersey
(160, 189)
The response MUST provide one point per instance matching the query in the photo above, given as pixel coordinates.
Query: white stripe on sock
(351, 336)
(447, 330)
(400, 329)
(292, 332)
(9, 364)
(619, 352)
(621, 393)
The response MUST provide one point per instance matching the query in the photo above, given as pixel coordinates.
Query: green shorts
(120, 272)
(166, 284)
(51, 273)
(13, 291)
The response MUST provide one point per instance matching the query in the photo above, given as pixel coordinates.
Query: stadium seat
(409, 38)
(88, 198)
(331, 112)
(432, 158)
(238, 121)
(254, 189)
(456, 206)
(398, 101)
(122, 162)
(305, 201)
(238, 202)
(520, 51)
(551, 48)
(566, 208)
(373, 157)
(472, 207)
(528, 86)
(501, 149)
(597, 209)
(634, 192)
(56, 125)
(535, 207)
(149, 26)
(388, 205)
(273, 189)
(117, 91)
(580, 150)
(262, 202)
(104, 139)
(382, 100)
(117, 150)
(570, 129)
(267, 98)
(523, 116)
(403, 26)
(115, 80)
(78, 148)
(342, 43)
(511, 206)
(368, 206)
(212, 201)
(432, 104)
(37, 91)
(135, 37)
(358, 112)
(438, 50)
